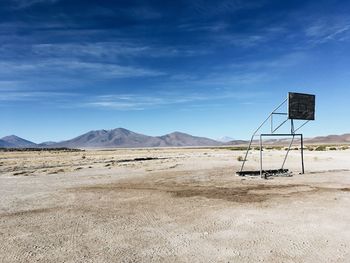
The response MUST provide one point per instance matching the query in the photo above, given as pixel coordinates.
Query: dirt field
(172, 205)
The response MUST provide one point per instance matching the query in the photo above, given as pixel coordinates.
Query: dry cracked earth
(172, 205)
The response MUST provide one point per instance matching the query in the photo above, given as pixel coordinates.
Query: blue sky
(208, 68)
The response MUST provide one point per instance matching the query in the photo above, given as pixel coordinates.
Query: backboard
(301, 106)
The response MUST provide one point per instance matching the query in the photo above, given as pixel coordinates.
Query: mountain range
(123, 138)
(127, 139)
(116, 138)
(344, 138)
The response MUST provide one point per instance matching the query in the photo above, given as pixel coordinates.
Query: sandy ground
(179, 205)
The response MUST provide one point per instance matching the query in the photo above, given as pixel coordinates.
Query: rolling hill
(16, 142)
(122, 138)
(344, 138)
(183, 139)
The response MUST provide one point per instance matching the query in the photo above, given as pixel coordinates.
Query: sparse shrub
(332, 149)
(320, 148)
(83, 157)
(296, 149)
(345, 147)
(237, 148)
(278, 148)
(240, 158)
(310, 149)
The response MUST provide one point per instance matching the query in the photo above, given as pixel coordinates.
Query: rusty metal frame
(292, 133)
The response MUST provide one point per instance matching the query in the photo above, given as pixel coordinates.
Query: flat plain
(172, 205)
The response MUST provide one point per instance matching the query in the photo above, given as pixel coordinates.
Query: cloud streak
(131, 102)
(328, 29)
(28, 3)
(70, 68)
(31, 96)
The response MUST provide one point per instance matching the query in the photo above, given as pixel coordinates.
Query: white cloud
(141, 102)
(114, 50)
(100, 49)
(207, 8)
(328, 29)
(32, 95)
(283, 61)
(74, 67)
(28, 3)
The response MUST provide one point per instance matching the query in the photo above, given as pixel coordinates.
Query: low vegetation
(327, 147)
(63, 149)
(279, 148)
(321, 148)
(240, 159)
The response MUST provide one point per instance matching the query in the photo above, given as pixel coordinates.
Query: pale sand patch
(172, 205)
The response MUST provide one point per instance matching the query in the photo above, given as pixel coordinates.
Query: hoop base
(266, 173)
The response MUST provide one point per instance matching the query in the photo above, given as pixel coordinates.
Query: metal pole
(258, 130)
(246, 154)
(271, 123)
(261, 155)
(302, 155)
(269, 117)
(285, 158)
(280, 105)
(279, 126)
(301, 126)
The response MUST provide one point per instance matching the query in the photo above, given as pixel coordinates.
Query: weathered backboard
(301, 106)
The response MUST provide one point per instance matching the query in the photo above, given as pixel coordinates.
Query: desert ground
(172, 205)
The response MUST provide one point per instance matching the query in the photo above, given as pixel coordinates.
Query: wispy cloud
(22, 96)
(115, 50)
(122, 101)
(134, 102)
(328, 29)
(28, 3)
(283, 61)
(99, 49)
(10, 85)
(207, 8)
(249, 39)
(202, 26)
(127, 102)
(243, 40)
(73, 67)
(228, 77)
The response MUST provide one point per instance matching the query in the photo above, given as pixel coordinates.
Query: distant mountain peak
(178, 133)
(11, 137)
(122, 130)
(18, 142)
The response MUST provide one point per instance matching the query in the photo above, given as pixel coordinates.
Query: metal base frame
(274, 172)
(288, 150)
